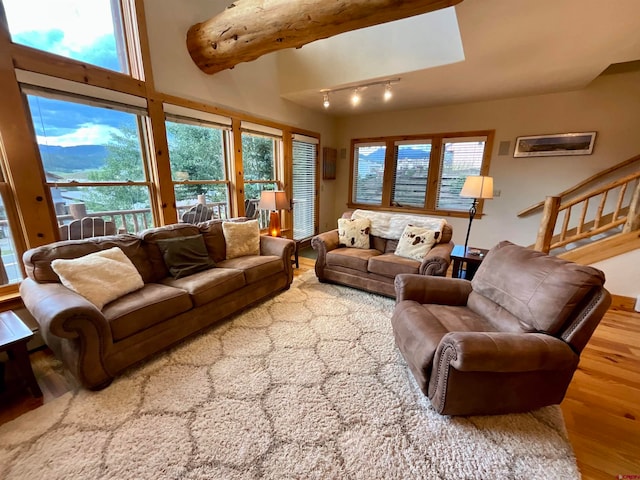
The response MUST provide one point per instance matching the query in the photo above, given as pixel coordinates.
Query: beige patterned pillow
(354, 232)
(241, 238)
(415, 242)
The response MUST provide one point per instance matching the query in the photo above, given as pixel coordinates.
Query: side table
(14, 336)
(465, 264)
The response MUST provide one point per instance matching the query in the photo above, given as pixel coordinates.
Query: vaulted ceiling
(477, 50)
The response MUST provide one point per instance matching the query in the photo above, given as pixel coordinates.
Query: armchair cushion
(538, 289)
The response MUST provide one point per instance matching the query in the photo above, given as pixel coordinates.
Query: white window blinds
(460, 158)
(368, 160)
(410, 176)
(304, 187)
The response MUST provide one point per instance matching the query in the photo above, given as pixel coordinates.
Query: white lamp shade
(273, 200)
(477, 187)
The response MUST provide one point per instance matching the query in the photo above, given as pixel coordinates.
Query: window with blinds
(305, 153)
(460, 158)
(368, 161)
(410, 176)
(424, 175)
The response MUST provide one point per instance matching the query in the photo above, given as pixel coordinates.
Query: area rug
(306, 385)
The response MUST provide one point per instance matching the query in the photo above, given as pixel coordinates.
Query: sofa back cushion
(150, 239)
(540, 290)
(37, 261)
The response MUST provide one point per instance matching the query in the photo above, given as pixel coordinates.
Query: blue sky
(78, 29)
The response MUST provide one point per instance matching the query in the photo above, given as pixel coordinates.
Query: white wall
(610, 105)
(250, 87)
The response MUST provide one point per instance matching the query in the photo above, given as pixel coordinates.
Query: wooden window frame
(433, 178)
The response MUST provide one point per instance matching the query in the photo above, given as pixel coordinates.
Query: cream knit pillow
(100, 277)
(241, 238)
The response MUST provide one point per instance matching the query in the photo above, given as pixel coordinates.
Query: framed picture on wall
(329, 156)
(559, 144)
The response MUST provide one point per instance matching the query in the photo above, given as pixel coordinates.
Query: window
(460, 157)
(411, 173)
(305, 154)
(260, 161)
(369, 164)
(10, 270)
(94, 158)
(87, 31)
(425, 172)
(198, 155)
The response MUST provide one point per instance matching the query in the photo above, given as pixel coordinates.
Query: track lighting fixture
(387, 92)
(356, 96)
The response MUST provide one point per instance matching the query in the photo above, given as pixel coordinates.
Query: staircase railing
(599, 211)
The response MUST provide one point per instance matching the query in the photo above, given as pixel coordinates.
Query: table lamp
(273, 200)
(476, 187)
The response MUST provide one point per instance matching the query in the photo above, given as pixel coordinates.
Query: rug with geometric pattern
(306, 385)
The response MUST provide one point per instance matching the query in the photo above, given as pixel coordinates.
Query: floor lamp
(274, 200)
(476, 187)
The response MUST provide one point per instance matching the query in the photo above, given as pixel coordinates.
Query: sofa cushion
(354, 233)
(415, 242)
(185, 255)
(241, 238)
(152, 304)
(390, 265)
(545, 296)
(37, 261)
(355, 258)
(100, 277)
(255, 267)
(150, 238)
(208, 285)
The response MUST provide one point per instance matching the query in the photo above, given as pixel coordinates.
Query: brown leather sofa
(95, 345)
(508, 341)
(375, 269)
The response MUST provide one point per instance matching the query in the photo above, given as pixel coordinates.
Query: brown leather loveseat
(374, 269)
(507, 341)
(96, 344)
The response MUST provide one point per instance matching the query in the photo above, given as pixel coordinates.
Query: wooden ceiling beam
(248, 29)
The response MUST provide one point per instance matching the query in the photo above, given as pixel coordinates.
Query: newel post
(547, 224)
(633, 216)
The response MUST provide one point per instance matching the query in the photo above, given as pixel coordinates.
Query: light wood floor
(601, 408)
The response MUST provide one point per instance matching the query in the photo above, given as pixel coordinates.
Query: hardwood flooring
(601, 408)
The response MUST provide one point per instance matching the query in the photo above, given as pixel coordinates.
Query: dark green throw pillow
(185, 255)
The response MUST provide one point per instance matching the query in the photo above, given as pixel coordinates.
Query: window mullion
(389, 171)
(434, 173)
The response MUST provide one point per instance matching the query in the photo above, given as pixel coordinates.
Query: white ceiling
(511, 48)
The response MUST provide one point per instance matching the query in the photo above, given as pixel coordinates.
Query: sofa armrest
(279, 247)
(61, 311)
(429, 289)
(322, 244)
(437, 260)
(505, 352)
(73, 328)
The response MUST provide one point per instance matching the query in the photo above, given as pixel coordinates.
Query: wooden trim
(32, 60)
(435, 167)
(237, 186)
(24, 172)
(583, 183)
(619, 302)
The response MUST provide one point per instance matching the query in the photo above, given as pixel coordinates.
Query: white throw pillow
(354, 232)
(100, 277)
(415, 242)
(241, 238)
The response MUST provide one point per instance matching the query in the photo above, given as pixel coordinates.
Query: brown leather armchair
(507, 341)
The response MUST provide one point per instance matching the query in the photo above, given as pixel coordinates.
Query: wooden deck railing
(598, 212)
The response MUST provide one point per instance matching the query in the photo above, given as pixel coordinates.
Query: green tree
(257, 162)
